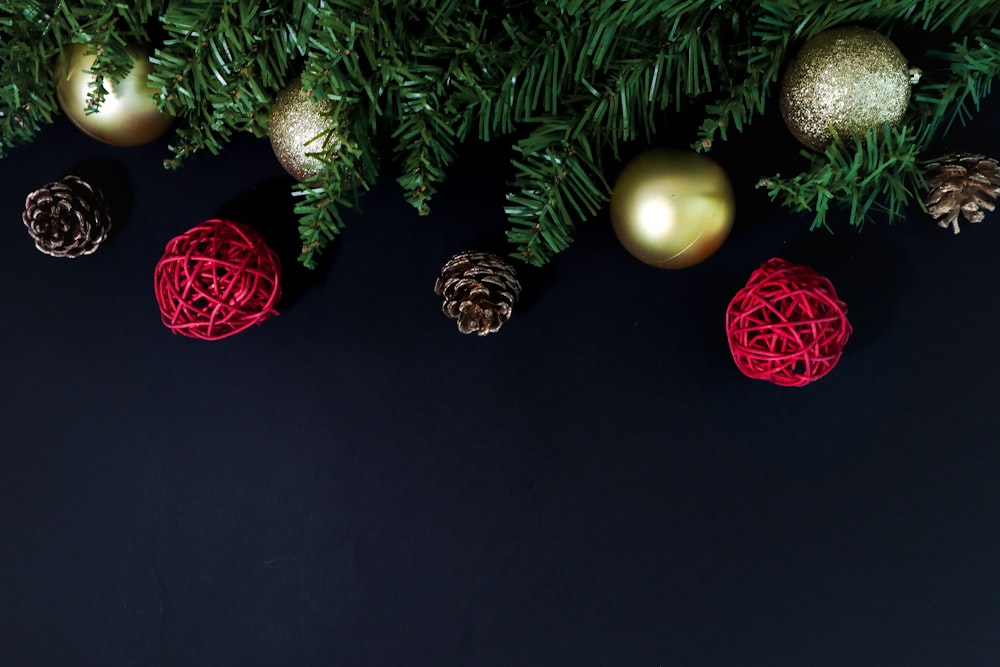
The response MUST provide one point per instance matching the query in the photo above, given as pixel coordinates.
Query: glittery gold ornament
(851, 79)
(128, 116)
(672, 208)
(300, 126)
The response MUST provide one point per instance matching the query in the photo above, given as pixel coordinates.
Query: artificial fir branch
(218, 66)
(426, 137)
(108, 29)
(747, 99)
(347, 170)
(27, 97)
(554, 181)
(349, 167)
(876, 172)
(566, 81)
(954, 90)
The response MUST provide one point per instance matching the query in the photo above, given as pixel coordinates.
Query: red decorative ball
(216, 280)
(787, 325)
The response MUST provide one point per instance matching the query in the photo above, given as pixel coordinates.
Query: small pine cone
(479, 290)
(961, 183)
(66, 218)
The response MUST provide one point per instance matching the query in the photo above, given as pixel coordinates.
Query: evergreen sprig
(877, 172)
(566, 82)
(27, 93)
(218, 67)
(349, 166)
(953, 91)
(108, 29)
(556, 182)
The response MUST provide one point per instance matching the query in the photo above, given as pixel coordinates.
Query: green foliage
(953, 90)
(349, 167)
(218, 66)
(27, 96)
(878, 172)
(554, 184)
(108, 28)
(565, 82)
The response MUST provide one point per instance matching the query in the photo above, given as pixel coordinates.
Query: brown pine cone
(961, 183)
(479, 290)
(66, 218)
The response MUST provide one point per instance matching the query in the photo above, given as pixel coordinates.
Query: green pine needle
(566, 81)
(876, 173)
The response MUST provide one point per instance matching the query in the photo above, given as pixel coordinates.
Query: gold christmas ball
(672, 208)
(128, 116)
(851, 79)
(299, 126)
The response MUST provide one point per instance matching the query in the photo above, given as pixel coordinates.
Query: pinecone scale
(962, 184)
(67, 218)
(479, 291)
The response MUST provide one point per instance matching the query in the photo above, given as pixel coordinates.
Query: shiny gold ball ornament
(672, 208)
(128, 116)
(300, 125)
(851, 79)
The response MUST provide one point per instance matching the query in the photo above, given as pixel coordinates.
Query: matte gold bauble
(300, 125)
(852, 79)
(672, 208)
(128, 116)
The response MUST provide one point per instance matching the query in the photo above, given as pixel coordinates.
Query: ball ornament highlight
(672, 208)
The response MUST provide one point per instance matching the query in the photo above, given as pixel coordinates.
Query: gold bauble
(128, 116)
(672, 208)
(852, 79)
(300, 125)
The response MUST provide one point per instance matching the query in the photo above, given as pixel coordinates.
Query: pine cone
(66, 218)
(479, 290)
(961, 183)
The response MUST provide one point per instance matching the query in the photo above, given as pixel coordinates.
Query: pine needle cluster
(565, 82)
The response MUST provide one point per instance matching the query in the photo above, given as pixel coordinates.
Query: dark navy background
(355, 483)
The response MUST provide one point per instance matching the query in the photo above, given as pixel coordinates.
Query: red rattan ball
(787, 325)
(216, 280)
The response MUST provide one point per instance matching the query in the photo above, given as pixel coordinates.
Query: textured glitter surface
(298, 126)
(850, 78)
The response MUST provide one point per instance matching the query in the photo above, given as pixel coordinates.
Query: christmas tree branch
(426, 138)
(876, 172)
(217, 67)
(572, 79)
(953, 92)
(555, 179)
(108, 29)
(348, 167)
(746, 101)
(760, 54)
(806, 18)
(27, 98)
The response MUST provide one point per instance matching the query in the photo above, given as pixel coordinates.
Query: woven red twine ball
(787, 325)
(216, 280)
